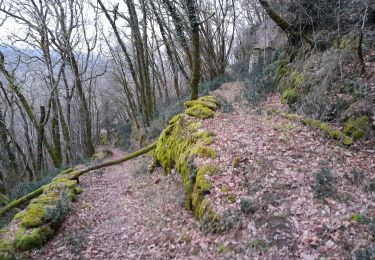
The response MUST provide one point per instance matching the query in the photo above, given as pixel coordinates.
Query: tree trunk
(293, 34)
(40, 139)
(195, 51)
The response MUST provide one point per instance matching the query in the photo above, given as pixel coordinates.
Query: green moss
(297, 78)
(201, 187)
(27, 239)
(34, 224)
(34, 215)
(232, 198)
(178, 146)
(329, 131)
(3, 200)
(186, 239)
(59, 183)
(236, 162)
(48, 198)
(282, 69)
(208, 104)
(78, 190)
(259, 244)
(176, 118)
(211, 99)
(357, 128)
(69, 170)
(6, 250)
(204, 151)
(210, 169)
(293, 117)
(210, 221)
(357, 217)
(347, 141)
(224, 188)
(224, 249)
(199, 111)
(289, 96)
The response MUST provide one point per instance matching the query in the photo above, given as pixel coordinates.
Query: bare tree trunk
(195, 51)
(40, 139)
(13, 173)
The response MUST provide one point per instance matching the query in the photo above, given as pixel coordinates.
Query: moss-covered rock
(208, 104)
(33, 226)
(180, 144)
(6, 250)
(199, 111)
(34, 216)
(27, 239)
(202, 108)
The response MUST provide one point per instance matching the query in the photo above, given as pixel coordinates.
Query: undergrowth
(57, 213)
(323, 184)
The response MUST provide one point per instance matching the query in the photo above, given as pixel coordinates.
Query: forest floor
(126, 213)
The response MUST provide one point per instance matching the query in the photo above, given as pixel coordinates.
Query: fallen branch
(76, 175)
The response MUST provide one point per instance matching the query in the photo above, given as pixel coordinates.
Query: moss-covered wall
(180, 144)
(33, 226)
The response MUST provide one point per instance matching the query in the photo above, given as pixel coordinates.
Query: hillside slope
(284, 190)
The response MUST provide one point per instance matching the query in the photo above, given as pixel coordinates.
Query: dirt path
(126, 213)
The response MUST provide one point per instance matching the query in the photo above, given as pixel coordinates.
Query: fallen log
(76, 175)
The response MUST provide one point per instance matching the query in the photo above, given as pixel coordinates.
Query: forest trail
(126, 213)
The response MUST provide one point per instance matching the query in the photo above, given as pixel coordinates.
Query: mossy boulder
(199, 111)
(202, 108)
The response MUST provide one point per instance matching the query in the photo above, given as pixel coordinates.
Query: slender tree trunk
(86, 120)
(195, 51)
(40, 139)
(13, 173)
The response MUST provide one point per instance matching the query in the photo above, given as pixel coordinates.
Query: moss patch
(27, 239)
(208, 104)
(6, 250)
(224, 249)
(357, 128)
(3, 200)
(199, 111)
(202, 108)
(329, 130)
(289, 96)
(35, 214)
